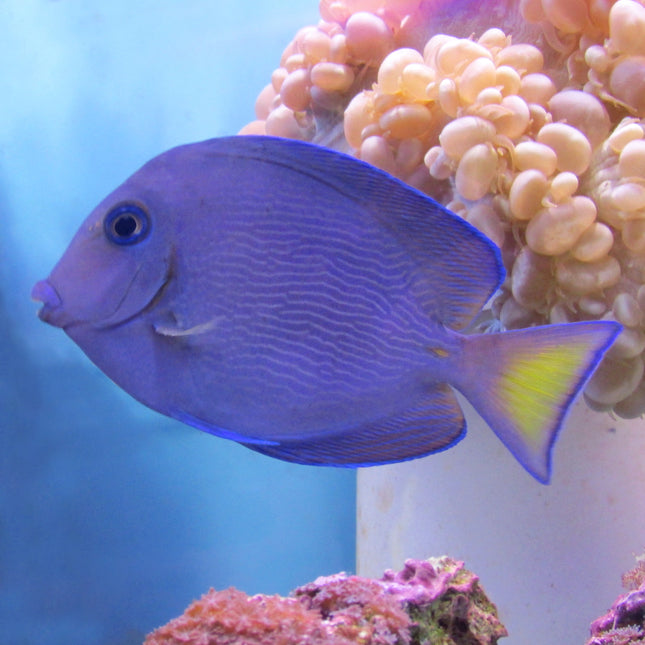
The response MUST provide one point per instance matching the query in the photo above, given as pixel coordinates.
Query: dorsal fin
(460, 268)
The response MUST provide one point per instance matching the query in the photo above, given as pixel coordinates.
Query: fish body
(309, 306)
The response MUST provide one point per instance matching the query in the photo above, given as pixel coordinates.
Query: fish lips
(143, 291)
(51, 311)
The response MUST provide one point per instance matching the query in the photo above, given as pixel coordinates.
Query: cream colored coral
(548, 162)
(607, 37)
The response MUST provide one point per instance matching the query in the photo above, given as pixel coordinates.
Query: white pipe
(550, 557)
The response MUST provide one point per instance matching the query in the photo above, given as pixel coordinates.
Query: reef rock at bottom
(436, 602)
(624, 623)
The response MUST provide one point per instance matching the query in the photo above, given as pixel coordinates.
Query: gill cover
(112, 268)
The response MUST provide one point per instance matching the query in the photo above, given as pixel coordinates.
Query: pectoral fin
(176, 330)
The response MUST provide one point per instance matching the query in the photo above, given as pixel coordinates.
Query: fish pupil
(126, 224)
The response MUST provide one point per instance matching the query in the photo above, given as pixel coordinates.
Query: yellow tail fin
(523, 383)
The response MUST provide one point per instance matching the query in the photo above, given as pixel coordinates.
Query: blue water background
(112, 517)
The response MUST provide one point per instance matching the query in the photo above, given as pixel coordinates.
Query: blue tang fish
(308, 305)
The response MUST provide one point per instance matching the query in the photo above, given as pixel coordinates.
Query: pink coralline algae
(357, 609)
(436, 601)
(624, 623)
(446, 602)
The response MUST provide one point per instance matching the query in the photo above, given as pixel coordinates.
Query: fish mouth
(54, 311)
(51, 311)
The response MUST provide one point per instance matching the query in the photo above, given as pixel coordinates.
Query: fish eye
(126, 224)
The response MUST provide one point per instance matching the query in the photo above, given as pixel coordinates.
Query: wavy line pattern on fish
(308, 305)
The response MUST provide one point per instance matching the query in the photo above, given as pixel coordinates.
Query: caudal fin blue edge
(523, 383)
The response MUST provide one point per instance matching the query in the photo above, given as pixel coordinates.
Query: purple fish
(307, 305)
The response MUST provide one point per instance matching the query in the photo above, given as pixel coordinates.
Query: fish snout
(52, 310)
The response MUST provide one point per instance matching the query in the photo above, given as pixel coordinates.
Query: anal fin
(434, 424)
(207, 426)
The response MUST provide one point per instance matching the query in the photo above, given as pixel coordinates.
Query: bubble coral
(436, 601)
(624, 623)
(525, 117)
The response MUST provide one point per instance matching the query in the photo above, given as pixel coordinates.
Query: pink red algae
(436, 601)
(624, 623)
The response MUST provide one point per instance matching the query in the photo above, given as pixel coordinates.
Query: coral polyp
(532, 129)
